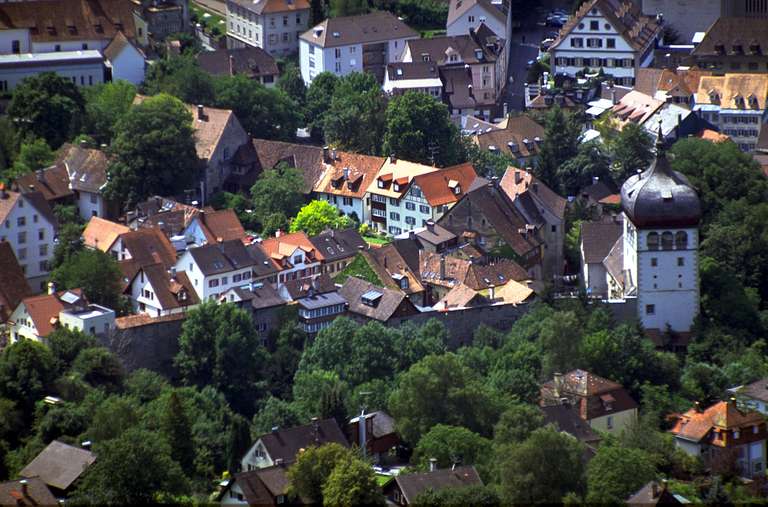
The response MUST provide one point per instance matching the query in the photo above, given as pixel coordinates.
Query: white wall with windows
(277, 33)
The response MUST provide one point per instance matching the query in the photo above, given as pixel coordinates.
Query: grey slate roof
(262, 264)
(59, 465)
(321, 300)
(413, 484)
(222, 257)
(285, 443)
(598, 238)
(251, 61)
(334, 245)
(353, 290)
(566, 418)
(757, 390)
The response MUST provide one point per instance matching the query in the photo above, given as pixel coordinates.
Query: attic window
(399, 71)
(753, 100)
(479, 54)
(754, 48)
(738, 48)
(336, 34)
(719, 48)
(396, 187)
(425, 57)
(714, 97)
(98, 28)
(371, 298)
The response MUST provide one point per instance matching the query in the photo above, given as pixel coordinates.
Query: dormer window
(753, 101)
(396, 187)
(380, 184)
(479, 54)
(738, 48)
(738, 101)
(754, 48)
(714, 97)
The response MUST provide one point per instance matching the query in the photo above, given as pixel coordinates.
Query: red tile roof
(101, 234)
(517, 181)
(446, 186)
(695, 425)
(44, 309)
(349, 174)
(280, 247)
(221, 225)
(13, 283)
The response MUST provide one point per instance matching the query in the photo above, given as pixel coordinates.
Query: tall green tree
(292, 84)
(561, 143)
(616, 472)
(182, 77)
(33, 155)
(308, 475)
(100, 368)
(517, 423)
(468, 495)
(27, 371)
(632, 151)
(66, 344)
(451, 445)
(577, 172)
(348, 7)
(318, 216)
(356, 119)
(96, 273)
(419, 129)
(47, 106)
(154, 151)
(351, 483)
(177, 430)
(238, 443)
(280, 189)
(70, 242)
(105, 105)
(319, 95)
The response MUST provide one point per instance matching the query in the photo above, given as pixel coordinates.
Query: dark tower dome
(659, 196)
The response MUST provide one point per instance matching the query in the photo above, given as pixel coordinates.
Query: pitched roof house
(26, 492)
(655, 493)
(293, 255)
(157, 292)
(52, 182)
(59, 465)
(263, 486)
(253, 62)
(733, 44)
(520, 138)
(599, 245)
(754, 395)
(281, 446)
(602, 403)
(13, 285)
(216, 267)
(464, 15)
(308, 159)
(338, 248)
(406, 487)
(102, 234)
(368, 302)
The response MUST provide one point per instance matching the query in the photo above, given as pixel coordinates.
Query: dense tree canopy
(182, 77)
(105, 105)
(356, 119)
(96, 273)
(318, 216)
(319, 95)
(561, 143)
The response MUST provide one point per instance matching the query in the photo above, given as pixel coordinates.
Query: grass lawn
(376, 240)
(382, 480)
(208, 19)
(359, 268)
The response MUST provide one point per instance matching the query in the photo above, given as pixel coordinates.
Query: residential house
(433, 194)
(566, 419)
(212, 226)
(306, 158)
(612, 35)
(28, 224)
(338, 248)
(214, 268)
(396, 266)
(294, 256)
(262, 302)
(87, 170)
(518, 137)
(157, 292)
(724, 431)
(265, 270)
(678, 85)
(487, 219)
(38, 316)
(465, 15)
(377, 434)
(687, 17)
(157, 19)
(753, 396)
(263, 486)
(295, 290)
(52, 182)
(675, 121)
(602, 403)
(433, 238)
(281, 445)
(345, 179)
(272, 25)
(736, 105)
(655, 493)
(362, 43)
(125, 60)
(317, 311)
(251, 61)
(734, 44)
(136, 249)
(402, 77)
(599, 242)
(387, 191)
(406, 487)
(367, 302)
(600, 194)
(462, 297)
(59, 466)
(13, 285)
(26, 492)
(472, 66)
(542, 207)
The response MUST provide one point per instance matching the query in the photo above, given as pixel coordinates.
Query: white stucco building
(364, 43)
(272, 25)
(610, 34)
(83, 68)
(464, 15)
(213, 269)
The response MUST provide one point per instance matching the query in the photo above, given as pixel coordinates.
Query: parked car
(546, 44)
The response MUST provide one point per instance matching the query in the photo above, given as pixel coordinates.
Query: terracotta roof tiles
(694, 425)
(13, 284)
(446, 186)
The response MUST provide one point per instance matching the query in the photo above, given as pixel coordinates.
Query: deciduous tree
(355, 120)
(351, 483)
(309, 473)
(96, 273)
(318, 216)
(451, 445)
(561, 143)
(616, 472)
(105, 105)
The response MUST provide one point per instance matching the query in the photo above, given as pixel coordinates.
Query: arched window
(666, 241)
(681, 240)
(653, 241)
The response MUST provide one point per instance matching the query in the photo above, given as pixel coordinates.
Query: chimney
(231, 65)
(613, 96)
(316, 428)
(40, 175)
(275, 429)
(558, 383)
(392, 158)
(361, 423)
(432, 464)
(86, 444)
(697, 406)
(51, 288)
(491, 292)
(278, 233)
(279, 462)
(655, 489)
(200, 112)
(326, 155)
(24, 488)
(518, 177)
(535, 187)
(83, 143)
(3, 193)
(431, 226)
(471, 259)
(442, 266)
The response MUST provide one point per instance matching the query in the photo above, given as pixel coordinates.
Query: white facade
(93, 319)
(301, 267)
(256, 457)
(346, 205)
(595, 43)
(91, 204)
(210, 287)
(128, 65)
(430, 86)
(743, 126)
(276, 33)
(472, 19)
(31, 236)
(83, 68)
(663, 265)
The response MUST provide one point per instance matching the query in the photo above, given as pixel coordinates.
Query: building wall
(152, 345)
(152, 306)
(81, 74)
(90, 204)
(219, 163)
(95, 324)
(689, 447)
(743, 126)
(8, 36)
(472, 19)
(686, 17)
(355, 207)
(23, 327)
(618, 421)
(252, 461)
(276, 33)
(129, 66)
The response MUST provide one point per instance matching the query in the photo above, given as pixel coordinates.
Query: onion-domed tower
(661, 241)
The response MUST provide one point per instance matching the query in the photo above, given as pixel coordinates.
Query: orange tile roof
(8, 200)
(44, 310)
(101, 234)
(731, 86)
(695, 425)
(13, 283)
(712, 136)
(149, 246)
(446, 186)
(284, 245)
(397, 170)
(518, 181)
(221, 225)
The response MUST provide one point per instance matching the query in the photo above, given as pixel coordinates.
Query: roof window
(371, 298)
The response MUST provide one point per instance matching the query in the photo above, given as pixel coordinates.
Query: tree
(66, 344)
(33, 155)
(560, 339)
(154, 151)
(578, 171)
(355, 120)
(318, 216)
(182, 77)
(351, 483)
(486, 162)
(419, 129)
(348, 7)
(561, 143)
(311, 386)
(544, 468)
(113, 416)
(145, 385)
(280, 189)
(332, 404)
(96, 273)
(412, 344)
(517, 423)
(68, 243)
(292, 84)
(617, 472)
(317, 11)
(632, 151)
(239, 442)
(276, 413)
(100, 368)
(47, 106)
(27, 370)
(136, 457)
(475, 496)
(451, 445)
(178, 434)
(439, 389)
(267, 113)
(703, 382)
(9, 144)
(309, 473)
(105, 105)
(319, 95)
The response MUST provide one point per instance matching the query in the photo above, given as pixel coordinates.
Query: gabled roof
(626, 17)
(412, 484)
(461, 296)
(302, 287)
(457, 8)
(273, 6)
(387, 300)
(279, 248)
(216, 258)
(251, 61)
(475, 275)
(694, 425)
(522, 137)
(377, 26)
(261, 486)
(262, 264)
(757, 390)
(334, 245)
(397, 172)
(59, 465)
(285, 444)
(517, 182)
(593, 395)
(149, 246)
(654, 493)
(446, 186)
(514, 293)
(44, 309)
(260, 295)
(52, 182)
(308, 159)
(87, 167)
(408, 71)
(727, 31)
(566, 418)
(680, 81)
(13, 284)
(222, 224)
(117, 44)
(438, 50)
(730, 86)
(597, 239)
(166, 213)
(37, 493)
(636, 107)
(348, 174)
(599, 190)
(171, 291)
(390, 266)
(101, 234)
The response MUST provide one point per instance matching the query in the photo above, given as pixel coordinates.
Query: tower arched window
(681, 240)
(653, 241)
(666, 240)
